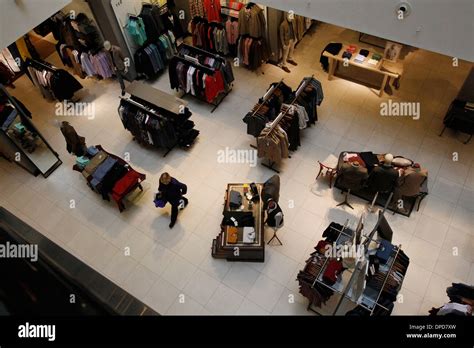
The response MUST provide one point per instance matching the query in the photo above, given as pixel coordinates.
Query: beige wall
(17, 17)
(445, 26)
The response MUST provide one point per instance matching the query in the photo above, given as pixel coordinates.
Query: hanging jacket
(64, 85)
(332, 48)
(152, 28)
(213, 10)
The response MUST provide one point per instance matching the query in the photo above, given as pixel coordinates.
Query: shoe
(286, 69)
(183, 204)
(291, 61)
(172, 224)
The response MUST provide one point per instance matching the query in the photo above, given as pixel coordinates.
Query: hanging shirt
(213, 10)
(189, 83)
(136, 29)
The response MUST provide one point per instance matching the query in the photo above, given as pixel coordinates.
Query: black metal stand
(168, 151)
(216, 104)
(468, 140)
(464, 142)
(275, 237)
(345, 202)
(440, 134)
(270, 166)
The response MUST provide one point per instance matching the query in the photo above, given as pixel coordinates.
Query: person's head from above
(165, 178)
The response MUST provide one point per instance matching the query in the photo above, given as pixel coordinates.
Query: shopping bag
(159, 201)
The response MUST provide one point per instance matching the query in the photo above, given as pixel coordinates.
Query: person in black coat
(172, 191)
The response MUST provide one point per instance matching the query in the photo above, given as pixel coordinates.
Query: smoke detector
(403, 10)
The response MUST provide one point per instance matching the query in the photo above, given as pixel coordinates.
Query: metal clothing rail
(145, 108)
(201, 51)
(385, 281)
(267, 96)
(210, 71)
(302, 86)
(33, 62)
(283, 114)
(341, 232)
(149, 111)
(345, 292)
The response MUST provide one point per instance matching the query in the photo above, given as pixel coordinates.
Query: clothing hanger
(200, 51)
(208, 70)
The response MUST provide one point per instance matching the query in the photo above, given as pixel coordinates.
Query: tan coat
(285, 34)
(252, 22)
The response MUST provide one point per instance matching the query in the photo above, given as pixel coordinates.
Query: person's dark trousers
(121, 81)
(174, 210)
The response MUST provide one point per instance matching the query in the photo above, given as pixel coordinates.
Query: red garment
(333, 269)
(214, 86)
(213, 10)
(357, 159)
(122, 186)
(321, 247)
(209, 38)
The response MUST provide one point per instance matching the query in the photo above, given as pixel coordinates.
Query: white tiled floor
(173, 271)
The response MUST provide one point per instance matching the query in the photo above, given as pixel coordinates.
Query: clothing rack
(283, 114)
(40, 65)
(208, 70)
(201, 51)
(148, 111)
(327, 259)
(153, 101)
(267, 95)
(385, 281)
(143, 107)
(345, 291)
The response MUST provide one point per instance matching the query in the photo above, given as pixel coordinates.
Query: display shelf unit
(240, 250)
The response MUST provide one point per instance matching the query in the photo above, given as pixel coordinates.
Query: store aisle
(173, 271)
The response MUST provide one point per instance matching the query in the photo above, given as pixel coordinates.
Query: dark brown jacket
(75, 144)
(117, 58)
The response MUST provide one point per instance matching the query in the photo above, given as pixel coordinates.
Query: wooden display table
(226, 247)
(124, 186)
(384, 67)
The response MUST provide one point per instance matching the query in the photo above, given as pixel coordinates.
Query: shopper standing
(172, 191)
